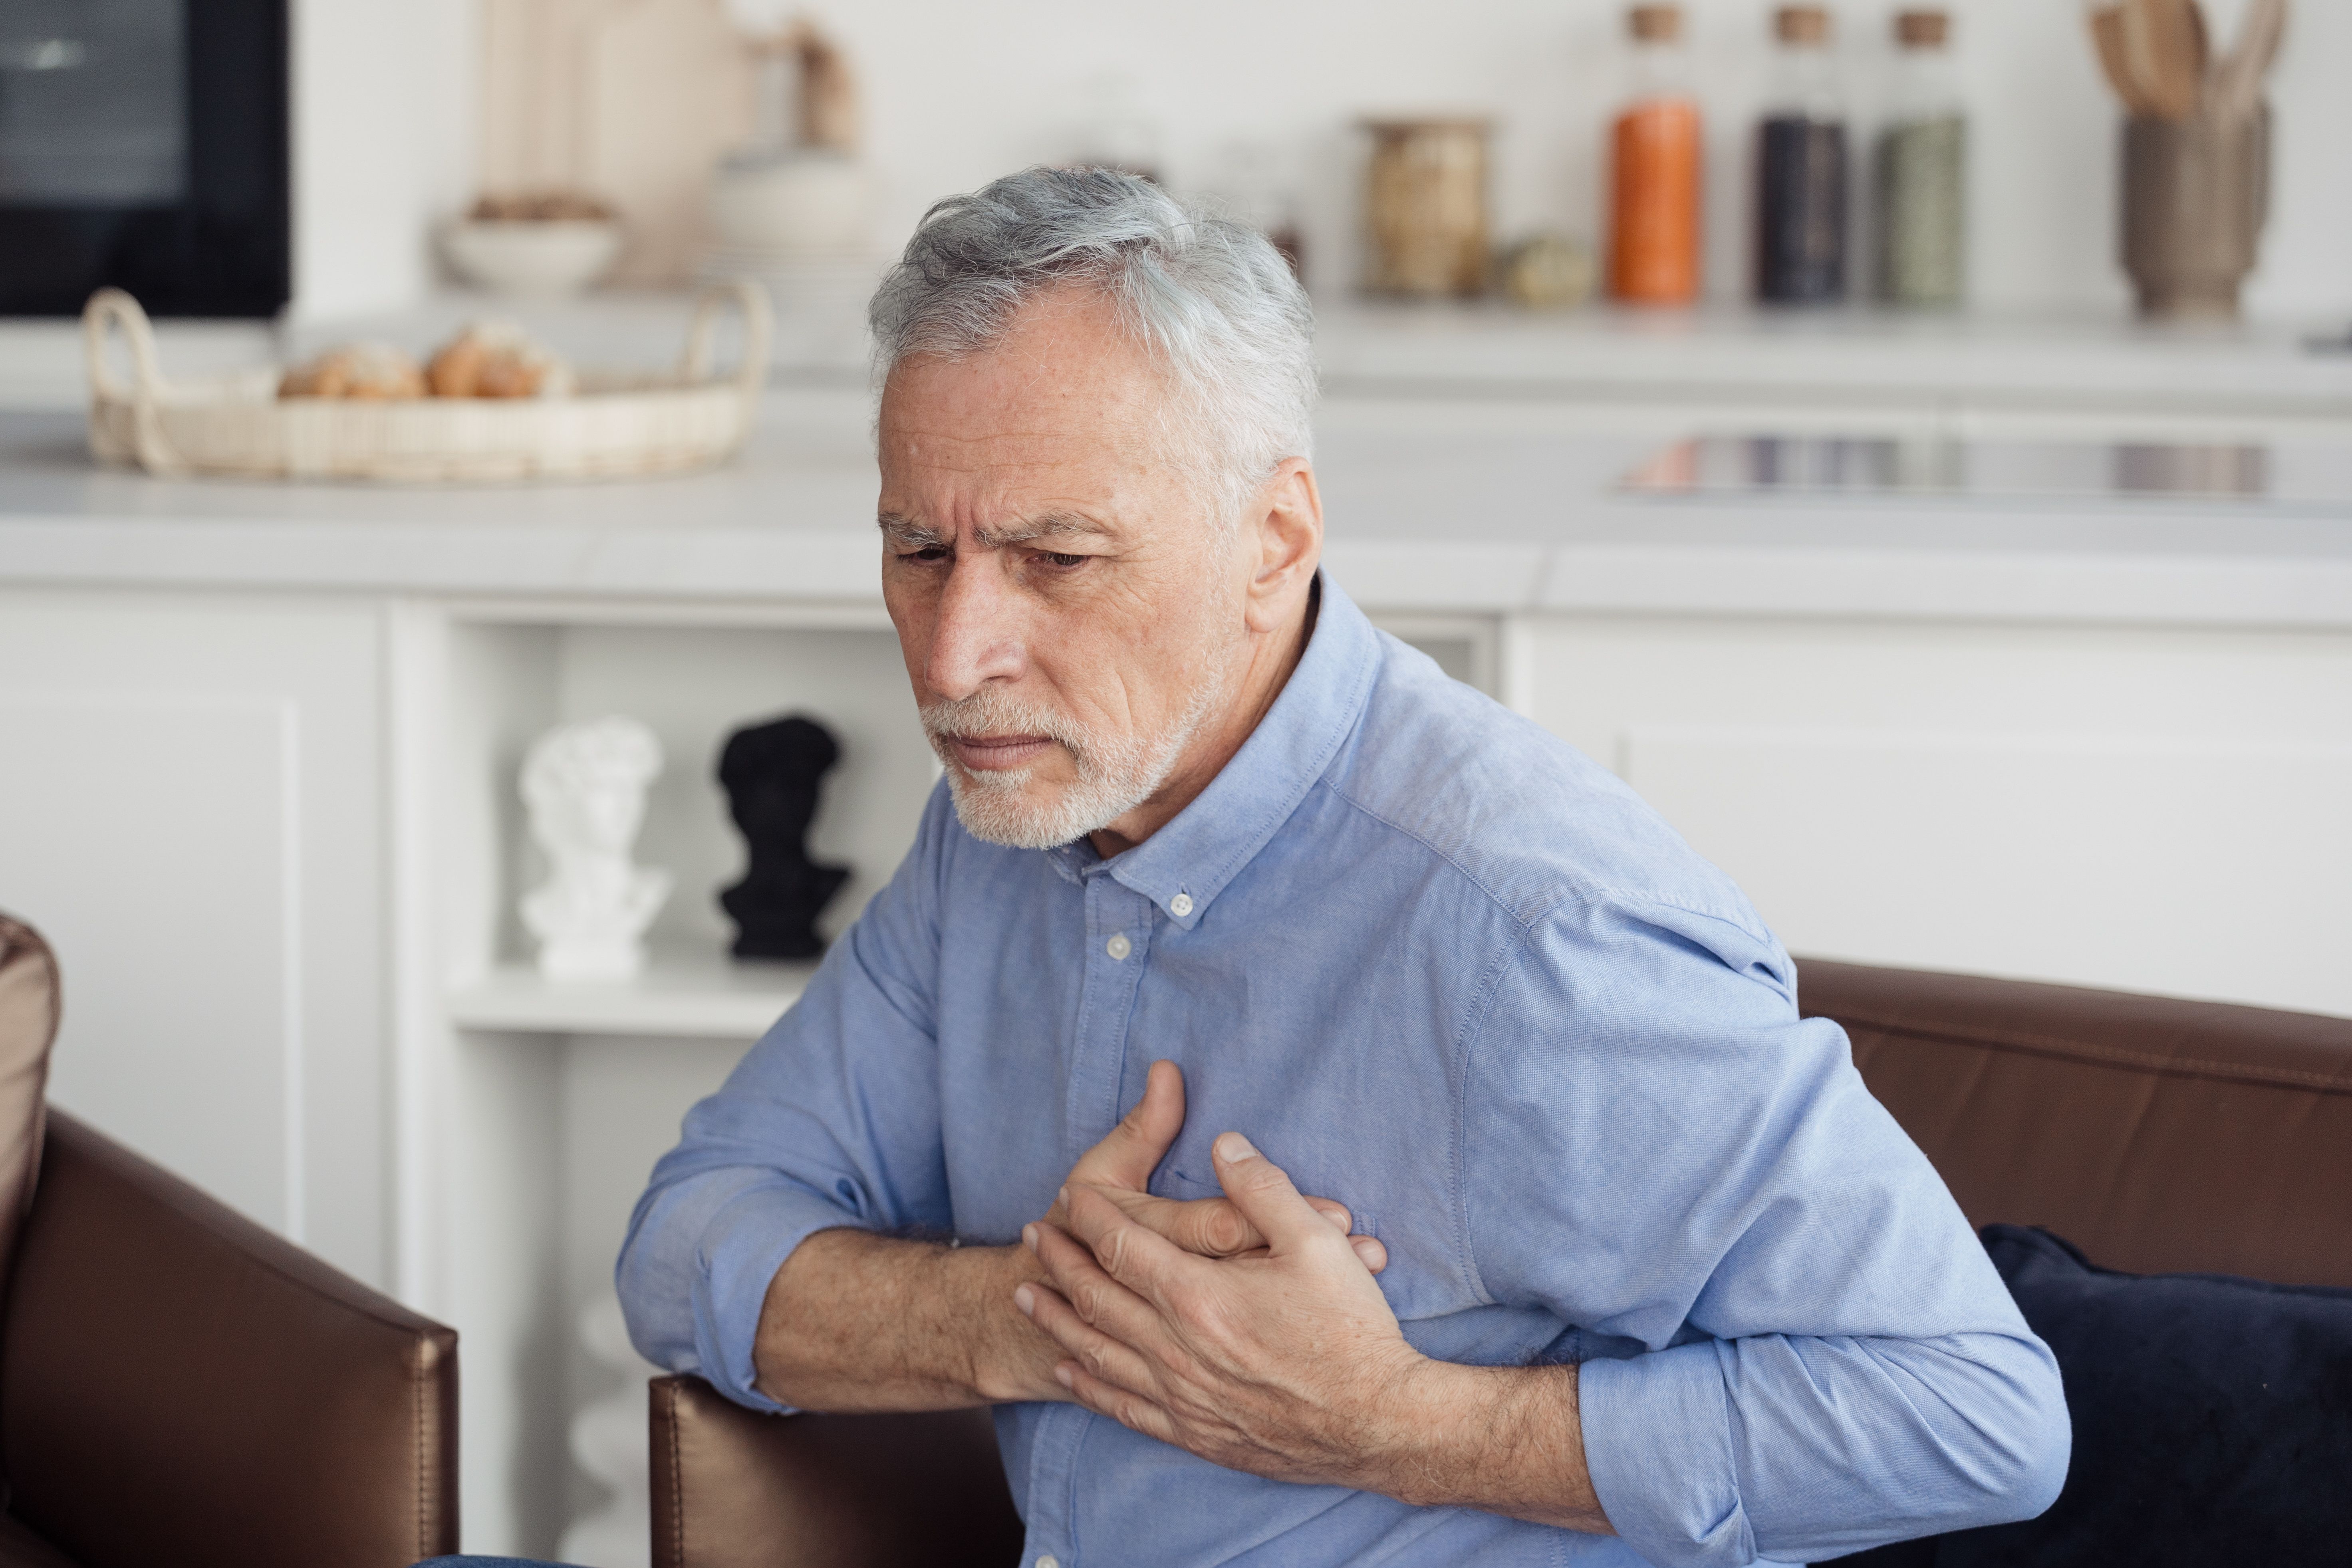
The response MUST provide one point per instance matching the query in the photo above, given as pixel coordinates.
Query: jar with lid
(1800, 167)
(1426, 207)
(1923, 169)
(1655, 168)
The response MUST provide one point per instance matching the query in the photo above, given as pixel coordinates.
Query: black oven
(144, 144)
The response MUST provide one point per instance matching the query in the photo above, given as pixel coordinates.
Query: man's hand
(1289, 1362)
(1120, 1167)
(1020, 1365)
(858, 1322)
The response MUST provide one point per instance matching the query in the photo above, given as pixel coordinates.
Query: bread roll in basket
(612, 425)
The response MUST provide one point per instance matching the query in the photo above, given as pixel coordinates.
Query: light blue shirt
(1442, 968)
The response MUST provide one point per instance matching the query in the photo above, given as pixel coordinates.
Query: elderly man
(1228, 898)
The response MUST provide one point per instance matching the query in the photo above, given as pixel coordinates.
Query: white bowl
(798, 206)
(519, 257)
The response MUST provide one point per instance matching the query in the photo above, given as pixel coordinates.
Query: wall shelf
(676, 997)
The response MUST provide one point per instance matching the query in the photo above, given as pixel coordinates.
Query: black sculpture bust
(772, 773)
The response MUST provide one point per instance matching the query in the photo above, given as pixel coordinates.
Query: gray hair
(1211, 300)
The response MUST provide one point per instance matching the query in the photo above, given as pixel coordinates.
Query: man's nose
(977, 638)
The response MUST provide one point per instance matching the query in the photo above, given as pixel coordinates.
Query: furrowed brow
(1054, 525)
(906, 532)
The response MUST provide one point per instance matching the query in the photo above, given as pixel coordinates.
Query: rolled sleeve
(1800, 1447)
(743, 1246)
(1664, 1418)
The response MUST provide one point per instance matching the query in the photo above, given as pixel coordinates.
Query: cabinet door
(189, 799)
(2144, 809)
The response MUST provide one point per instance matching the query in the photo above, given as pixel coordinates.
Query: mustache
(991, 711)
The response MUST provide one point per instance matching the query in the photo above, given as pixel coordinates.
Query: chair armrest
(735, 1488)
(178, 1385)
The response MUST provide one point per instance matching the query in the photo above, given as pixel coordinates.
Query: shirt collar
(1185, 866)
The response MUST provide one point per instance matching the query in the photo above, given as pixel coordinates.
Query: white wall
(957, 94)
(384, 116)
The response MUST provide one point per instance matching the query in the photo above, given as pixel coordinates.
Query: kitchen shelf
(698, 998)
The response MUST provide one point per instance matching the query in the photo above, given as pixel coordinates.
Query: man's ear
(1285, 523)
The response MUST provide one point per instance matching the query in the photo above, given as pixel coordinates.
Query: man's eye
(930, 555)
(1061, 561)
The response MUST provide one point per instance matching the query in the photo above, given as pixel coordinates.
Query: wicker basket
(613, 427)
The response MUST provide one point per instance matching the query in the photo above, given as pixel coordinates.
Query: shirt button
(1180, 905)
(1117, 947)
(1049, 1562)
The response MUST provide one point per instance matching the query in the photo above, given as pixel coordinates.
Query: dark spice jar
(1801, 168)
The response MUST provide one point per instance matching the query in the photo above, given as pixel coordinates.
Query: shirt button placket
(1095, 1063)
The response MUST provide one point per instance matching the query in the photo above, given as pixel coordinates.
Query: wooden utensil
(2160, 45)
(2201, 53)
(2107, 35)
(2238, 81)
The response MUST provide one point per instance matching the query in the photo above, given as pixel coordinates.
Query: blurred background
(1911, 444)
(398, 126)
(400, 118)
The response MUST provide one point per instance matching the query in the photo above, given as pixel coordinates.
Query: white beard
(1116, 773)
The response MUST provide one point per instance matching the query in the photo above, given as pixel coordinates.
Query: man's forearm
(855, 1322)
(1504, 1439)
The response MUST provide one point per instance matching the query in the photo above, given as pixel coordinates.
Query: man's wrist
(1505, 1439)
(1006, 1356)
(1418, 1409)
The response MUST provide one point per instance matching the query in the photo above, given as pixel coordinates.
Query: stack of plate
(798, 219)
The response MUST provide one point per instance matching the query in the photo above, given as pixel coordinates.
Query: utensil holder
(2196, 193)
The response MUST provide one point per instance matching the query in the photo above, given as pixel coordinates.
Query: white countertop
(1434, 505)
(1840, 353)
(1906, 359)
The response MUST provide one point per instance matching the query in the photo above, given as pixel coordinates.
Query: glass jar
(1800, 167)
(1923, 170)
(1655, 164)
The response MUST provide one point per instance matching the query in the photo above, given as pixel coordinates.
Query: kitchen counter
(1921, 362)
(1457, 505)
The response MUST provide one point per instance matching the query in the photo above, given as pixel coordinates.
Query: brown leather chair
(2157, 1135)
(179, 1386)
(732, 1486)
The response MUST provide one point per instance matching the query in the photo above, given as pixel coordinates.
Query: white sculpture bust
(585, 786)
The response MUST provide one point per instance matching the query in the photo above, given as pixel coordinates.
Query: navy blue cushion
(2212, 1417)
(2212, 1420)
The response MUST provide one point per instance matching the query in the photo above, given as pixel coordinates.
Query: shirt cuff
(743, 1246)
(1657, 1444)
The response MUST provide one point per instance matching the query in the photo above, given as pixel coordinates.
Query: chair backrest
(179, 1385)
(30, 1007)
(734, 1488)
(2157, 1135)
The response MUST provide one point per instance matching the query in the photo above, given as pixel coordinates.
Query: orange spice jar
(1656, 166)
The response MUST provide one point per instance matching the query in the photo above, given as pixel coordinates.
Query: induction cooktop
(1721, 467)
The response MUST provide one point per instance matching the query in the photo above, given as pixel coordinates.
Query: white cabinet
(2160, 810)
(190, 807)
